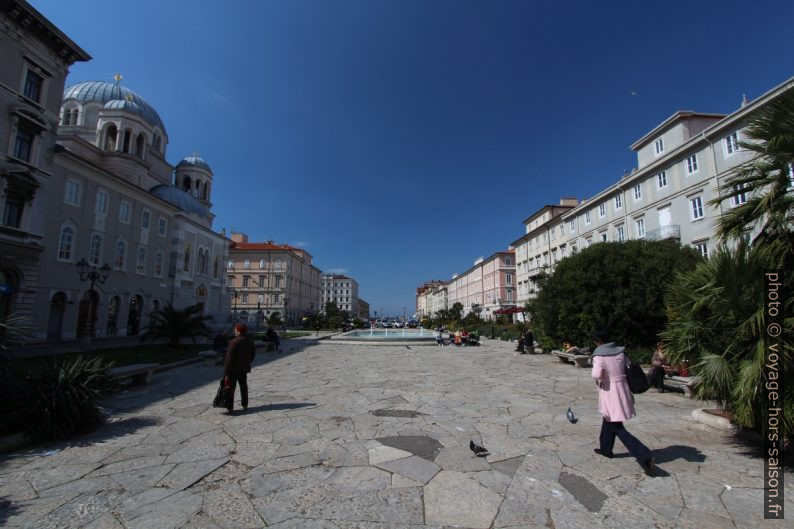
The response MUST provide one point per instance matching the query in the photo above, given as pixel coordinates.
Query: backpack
(635, 376)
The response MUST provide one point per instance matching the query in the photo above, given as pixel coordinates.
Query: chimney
(745, 102)
(569, 201)
(239, 237)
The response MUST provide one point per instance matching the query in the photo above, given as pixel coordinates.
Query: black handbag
(635, 376)
(220, 397)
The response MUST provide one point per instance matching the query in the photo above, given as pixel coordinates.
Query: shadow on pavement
(673, 452)
(7, 509)
(280, 406)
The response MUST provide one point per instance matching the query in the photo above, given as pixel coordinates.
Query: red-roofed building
(265, 277)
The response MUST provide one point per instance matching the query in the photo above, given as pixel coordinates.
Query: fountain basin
(419, 336)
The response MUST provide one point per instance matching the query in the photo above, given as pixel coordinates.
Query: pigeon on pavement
(571, 417)
(479, 451)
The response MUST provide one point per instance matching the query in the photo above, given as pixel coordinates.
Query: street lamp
(94, 276)
(236, 294)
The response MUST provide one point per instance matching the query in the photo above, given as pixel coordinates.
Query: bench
(685, 384)
(139, 373)
(581, 360)
(579, 357)
(563, 356)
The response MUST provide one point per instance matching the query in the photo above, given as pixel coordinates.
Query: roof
(39, 25)
(193, 161)
(677, 116)
(102, 92)
(184, 201)
(264, 246)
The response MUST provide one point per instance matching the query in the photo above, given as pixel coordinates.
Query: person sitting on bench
(272, 337)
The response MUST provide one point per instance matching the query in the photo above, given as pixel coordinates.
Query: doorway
(57, 311)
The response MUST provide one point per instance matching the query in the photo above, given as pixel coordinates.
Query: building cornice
(27, 17)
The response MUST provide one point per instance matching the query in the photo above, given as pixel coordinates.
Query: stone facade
(342, 290)
(36, 57)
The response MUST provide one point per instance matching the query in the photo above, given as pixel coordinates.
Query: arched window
(186, 266)
(119, 261)
(205, 192)
(197, 190)
(125, 146)
(140, 262)
(111, 136)
(158, 264)
(95, 250)
(186, 184)
(202, 261)
(139, 145)
(67, 117)
(75, 116)
(65, 243)
(216, 267)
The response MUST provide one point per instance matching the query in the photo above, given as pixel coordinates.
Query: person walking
(239, 357)
(615, 401)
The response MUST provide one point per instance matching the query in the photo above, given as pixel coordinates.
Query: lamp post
(286, 311)
(94, 276)
(235, 294)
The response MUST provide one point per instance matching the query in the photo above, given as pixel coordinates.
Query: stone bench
(139, 373)
(581, 360)
(685, 384)
(564, 357)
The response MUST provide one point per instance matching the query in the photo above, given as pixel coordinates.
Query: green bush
(54, 398)
(618, 285)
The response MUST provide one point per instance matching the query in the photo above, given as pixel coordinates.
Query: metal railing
(671, 231)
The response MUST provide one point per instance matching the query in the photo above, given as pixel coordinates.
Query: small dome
(193, 161)
(184, 201)
(102, 92)
(126, 105)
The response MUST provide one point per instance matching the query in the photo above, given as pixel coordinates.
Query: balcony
(672, 231)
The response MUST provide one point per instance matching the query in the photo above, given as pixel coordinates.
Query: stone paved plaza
(376, 437)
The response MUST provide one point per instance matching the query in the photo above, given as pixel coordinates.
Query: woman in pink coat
(615, 401)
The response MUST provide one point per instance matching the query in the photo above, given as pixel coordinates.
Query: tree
(455, 312)
(274, 320)
(175, 324)
(613, 284)
(334, 318)
(766, 181)
(717, 311)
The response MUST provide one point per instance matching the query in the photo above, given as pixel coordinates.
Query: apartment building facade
(342, 290)
(424, 298)
(264, 278)
(36, 57)
(489, 285)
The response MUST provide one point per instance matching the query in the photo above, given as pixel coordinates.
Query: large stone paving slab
(376, 437)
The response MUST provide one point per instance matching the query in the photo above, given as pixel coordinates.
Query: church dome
(193, 161)
(184, 201)
(119, 97)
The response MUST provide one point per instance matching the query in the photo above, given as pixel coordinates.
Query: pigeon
(571, 416)
(479, 451)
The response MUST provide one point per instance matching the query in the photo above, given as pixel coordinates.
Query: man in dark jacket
(239, 357)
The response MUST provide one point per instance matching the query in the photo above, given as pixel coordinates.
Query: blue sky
(397, 141)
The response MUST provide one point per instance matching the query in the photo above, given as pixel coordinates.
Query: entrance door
(664, 222)
(57, 309)
(86, 314)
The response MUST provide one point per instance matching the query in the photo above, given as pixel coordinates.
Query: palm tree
(766, 182)
(175, 324)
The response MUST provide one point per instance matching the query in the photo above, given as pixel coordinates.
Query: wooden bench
(139, 373)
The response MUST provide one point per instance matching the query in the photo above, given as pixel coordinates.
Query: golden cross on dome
(128, 97)
(118, 77)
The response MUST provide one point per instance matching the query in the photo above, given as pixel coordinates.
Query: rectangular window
(246, 280)
(12, 212)
(140, 262)
(33, 85)
(696, 207)
(509, 279)
(71, 193)
(162, 226)
(95, 250)
(618, 202)
(102, 198)
(604, 237)
(158, 264)
(145, 219)
(692, 164)
(262, 281)
(572, 225)
(23, 145)
(703, 248)
(588, 242)
(231, 265)
(244, 298)
(602, 210)
(741, 197)
(731, 143)
(661, 180)
(278, 281)
(658, 146)
(230, 281)
(276, 298)
(246, 264)
(639, 228)
(509, 295)
(587, 217)
(621, 234)
(261, 263)
(637, 192)
(124, 211)
(508, 262)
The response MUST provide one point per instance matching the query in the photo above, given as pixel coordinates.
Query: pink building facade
(487, 286)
